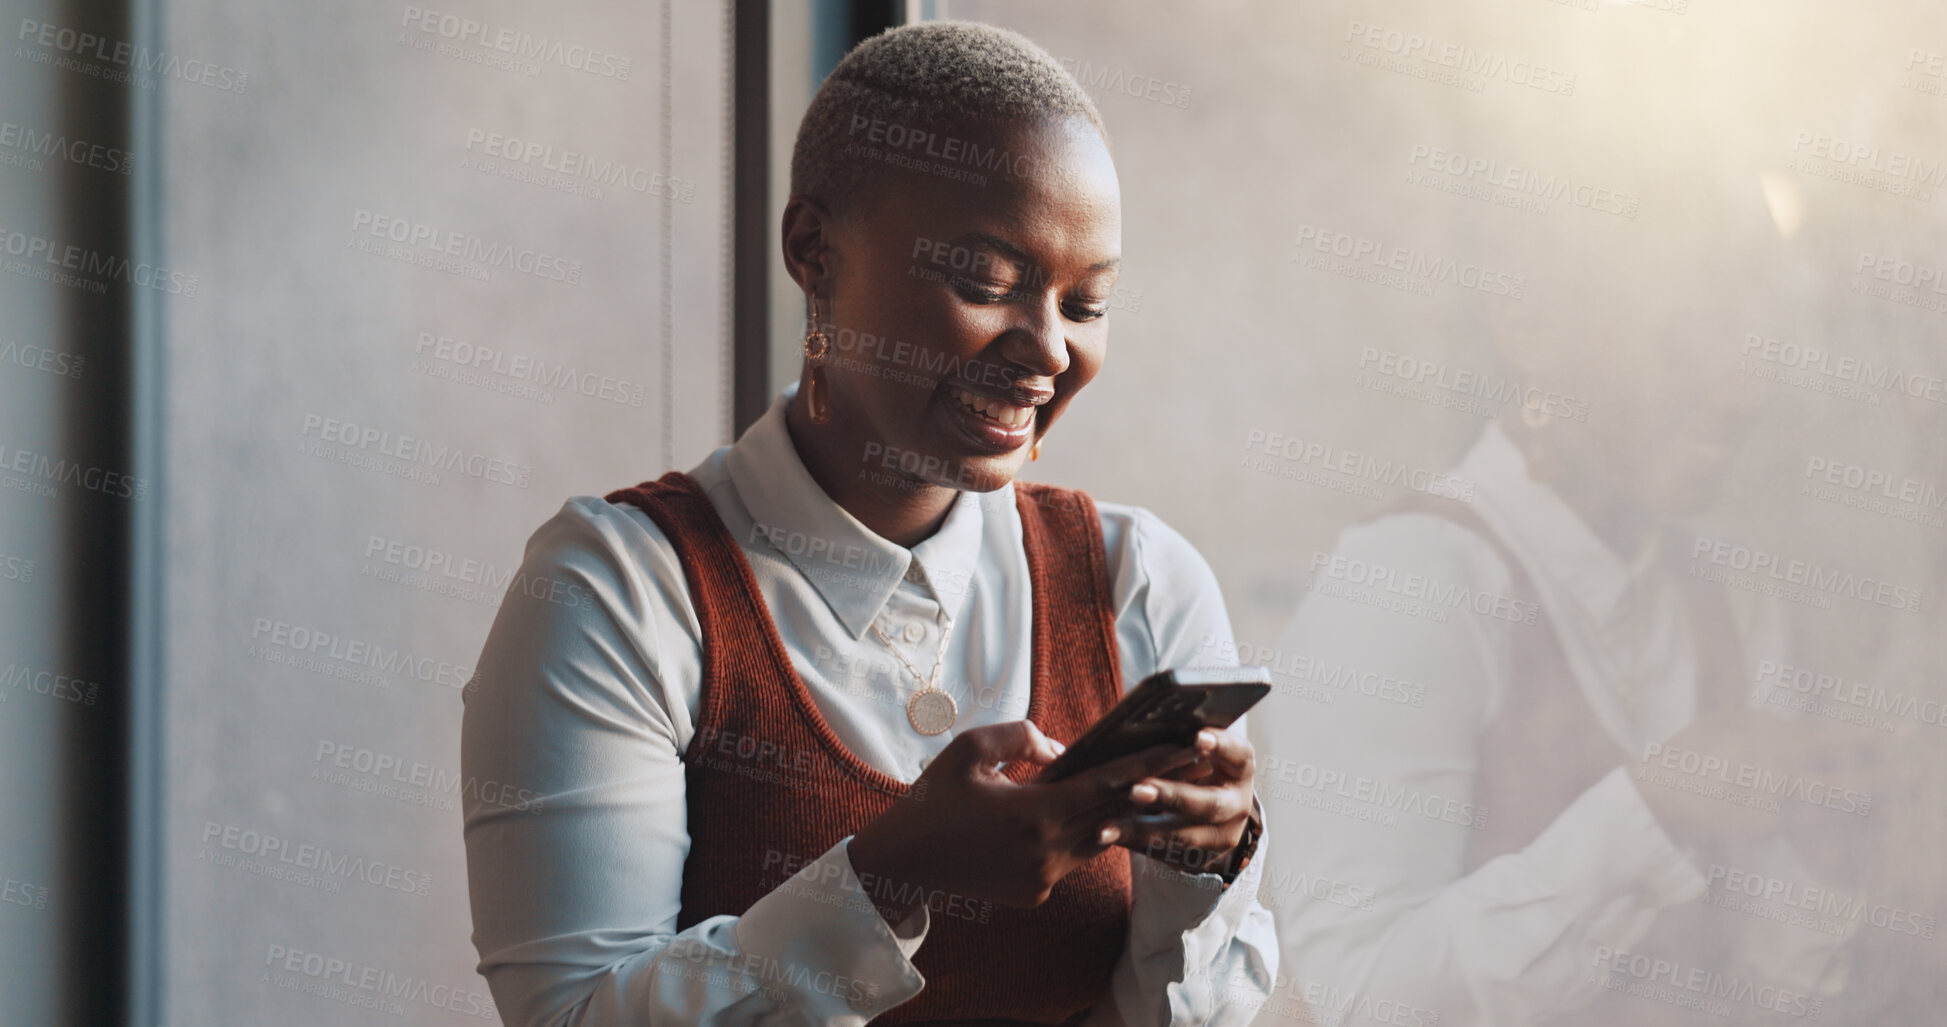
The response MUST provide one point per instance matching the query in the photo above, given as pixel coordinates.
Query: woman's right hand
(965, 829)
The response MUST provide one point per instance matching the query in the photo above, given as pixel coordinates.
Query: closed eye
(974, 292)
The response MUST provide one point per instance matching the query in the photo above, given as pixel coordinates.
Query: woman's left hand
(1193, 817)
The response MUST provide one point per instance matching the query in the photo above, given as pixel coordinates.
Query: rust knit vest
(770, 787)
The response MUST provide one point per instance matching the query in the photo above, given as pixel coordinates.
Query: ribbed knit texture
(792, 790)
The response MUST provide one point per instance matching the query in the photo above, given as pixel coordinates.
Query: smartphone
(1169, 707)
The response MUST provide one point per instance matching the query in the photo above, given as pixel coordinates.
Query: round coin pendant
(932, 711)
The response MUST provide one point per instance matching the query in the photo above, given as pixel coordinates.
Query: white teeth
(1006, 414)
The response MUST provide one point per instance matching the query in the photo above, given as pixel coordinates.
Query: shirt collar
(1556, 545)
(852, 567)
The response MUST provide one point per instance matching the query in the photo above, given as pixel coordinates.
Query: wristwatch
(1240, 857)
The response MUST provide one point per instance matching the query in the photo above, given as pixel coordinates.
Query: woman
(735, 824)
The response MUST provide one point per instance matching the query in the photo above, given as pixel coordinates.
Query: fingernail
(1108, 835)
(1059, 748)
(1206, 740)
(1143, 793)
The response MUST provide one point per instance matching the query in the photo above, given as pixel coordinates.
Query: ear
(807, 239)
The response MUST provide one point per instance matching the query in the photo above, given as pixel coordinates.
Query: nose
(1037, 340)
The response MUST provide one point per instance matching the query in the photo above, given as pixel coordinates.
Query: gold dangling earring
(1035, 453)
(817, 348)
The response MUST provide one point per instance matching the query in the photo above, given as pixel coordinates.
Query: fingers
(1191, 803)
(1172, 839)
(1157, 759)
(1231, 753)
(1222, 756)
(1165, 805)
(1180, 822)
(1107, 786)
(983, 747)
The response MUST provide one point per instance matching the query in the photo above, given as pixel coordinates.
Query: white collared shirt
(586, 697)
(1378, 913)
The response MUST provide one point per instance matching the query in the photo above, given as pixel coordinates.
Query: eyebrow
(1019, 255)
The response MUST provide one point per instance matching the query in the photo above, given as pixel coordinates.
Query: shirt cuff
(1607, 842)
(825, 935)
(1201, 910)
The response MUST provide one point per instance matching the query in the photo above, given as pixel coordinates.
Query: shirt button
(914, 631)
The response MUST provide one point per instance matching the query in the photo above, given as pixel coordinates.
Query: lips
(1010, 417)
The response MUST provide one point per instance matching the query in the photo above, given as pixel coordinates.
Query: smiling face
(964, 316)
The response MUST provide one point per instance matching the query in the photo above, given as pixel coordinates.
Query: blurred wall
(452, 265)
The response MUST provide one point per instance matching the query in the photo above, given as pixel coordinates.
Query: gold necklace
(930, 710)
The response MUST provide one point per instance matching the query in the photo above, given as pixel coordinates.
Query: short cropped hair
(892, 102)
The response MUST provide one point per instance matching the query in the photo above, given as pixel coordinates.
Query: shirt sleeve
(1199, 951)
(1375, 910)
(575, 889)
